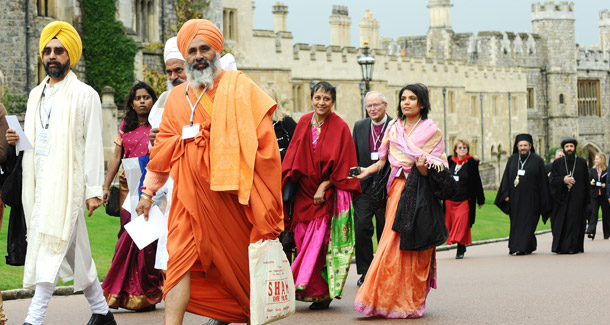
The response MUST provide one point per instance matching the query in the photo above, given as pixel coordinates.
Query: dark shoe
(592, 236)
(461, 249)
(213, 321)
(99, 319)
(319, 305)
(361, 280)
(520, 253)
(145, 309)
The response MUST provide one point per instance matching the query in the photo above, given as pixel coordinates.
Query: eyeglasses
(57, 50)
(460, 148)
(374, 105)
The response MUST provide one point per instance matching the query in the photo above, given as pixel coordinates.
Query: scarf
(58, 208)
(460, 161)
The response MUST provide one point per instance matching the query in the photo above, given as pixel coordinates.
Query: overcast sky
(308, 19)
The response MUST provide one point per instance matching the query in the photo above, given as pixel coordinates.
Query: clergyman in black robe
(570, 190)
(524, 195)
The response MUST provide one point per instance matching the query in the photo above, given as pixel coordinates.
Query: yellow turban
(202, 29)
(67, 35)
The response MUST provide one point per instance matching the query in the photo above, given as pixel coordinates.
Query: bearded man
(64, 171)
(524, 195)
(570, 189)
(217, 142)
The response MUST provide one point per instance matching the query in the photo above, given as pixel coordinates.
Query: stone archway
(592, 149)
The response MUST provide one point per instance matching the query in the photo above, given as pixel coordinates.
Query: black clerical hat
(569, 140)
(523, 137)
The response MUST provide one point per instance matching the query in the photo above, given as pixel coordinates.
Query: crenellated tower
(340, 24)
(440, 34)
(554, 22)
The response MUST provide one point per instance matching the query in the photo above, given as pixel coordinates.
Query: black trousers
(596, 202)
(363, 224)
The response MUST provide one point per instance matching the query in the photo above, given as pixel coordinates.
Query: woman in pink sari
(132, 281)
(399, 280)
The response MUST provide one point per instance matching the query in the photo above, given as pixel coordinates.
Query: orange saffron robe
(213, 219)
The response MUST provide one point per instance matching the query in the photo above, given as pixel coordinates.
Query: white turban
(228, 62)
(171, 50)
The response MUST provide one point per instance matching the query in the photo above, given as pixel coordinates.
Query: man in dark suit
(368, 134)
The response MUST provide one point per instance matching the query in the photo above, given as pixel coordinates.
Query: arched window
(560, 98)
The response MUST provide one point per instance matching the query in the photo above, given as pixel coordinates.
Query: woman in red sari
(398, 281)
(317, 163)
(132, 281)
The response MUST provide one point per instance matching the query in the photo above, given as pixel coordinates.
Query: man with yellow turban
(63, 172)
(217, 142)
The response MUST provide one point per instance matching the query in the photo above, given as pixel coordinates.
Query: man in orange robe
(217, 142)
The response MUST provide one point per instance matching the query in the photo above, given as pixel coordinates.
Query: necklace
(519, 168)
(315, 122)
(565, 160)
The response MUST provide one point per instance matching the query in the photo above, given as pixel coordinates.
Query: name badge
(189, 132)
(456, 177)
(374, 155)
(521, 172)
(598, 184)
(43, 143)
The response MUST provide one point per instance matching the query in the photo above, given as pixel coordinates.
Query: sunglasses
(57, 50)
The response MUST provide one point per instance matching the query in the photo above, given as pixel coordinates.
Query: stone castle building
(484, 87)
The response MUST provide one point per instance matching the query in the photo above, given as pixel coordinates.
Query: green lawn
(490, 223)
(103, 232)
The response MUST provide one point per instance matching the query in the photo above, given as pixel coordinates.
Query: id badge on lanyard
(43, 142)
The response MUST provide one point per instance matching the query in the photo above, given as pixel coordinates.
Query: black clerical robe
(568, 218)
(528, 200)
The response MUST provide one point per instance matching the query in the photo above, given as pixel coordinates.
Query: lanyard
(413, 127)
(573, 167)
(191, 104)
(523, 163)
(376, 138)
(40, 106)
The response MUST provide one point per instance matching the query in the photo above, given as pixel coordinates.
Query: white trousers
(44, 291)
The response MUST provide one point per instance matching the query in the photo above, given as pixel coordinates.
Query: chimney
(280, 12)
(369, 30)
(340, 24)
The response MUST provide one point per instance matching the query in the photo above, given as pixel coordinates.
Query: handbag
(379, 192)
(113, 207)
(11, 195)
(272, 294)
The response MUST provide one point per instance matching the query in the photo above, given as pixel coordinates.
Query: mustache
(203, 61)
(178, 81)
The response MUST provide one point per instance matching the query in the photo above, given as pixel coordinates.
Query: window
(588, 98)
(474, 147)
(451, 101)
(473, 106)
(144, 9)
(560, 98)
(229, 23)
(530, 97)
(45, 7)
(297, 95)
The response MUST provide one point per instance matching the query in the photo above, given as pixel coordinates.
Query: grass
(103, 232)
(490, 223)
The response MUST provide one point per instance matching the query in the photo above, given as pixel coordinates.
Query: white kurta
(84, 180)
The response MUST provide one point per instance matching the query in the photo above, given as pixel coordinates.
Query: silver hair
(373, 92)
(198, 78)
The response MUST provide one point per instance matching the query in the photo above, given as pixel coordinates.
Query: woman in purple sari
(132, 281)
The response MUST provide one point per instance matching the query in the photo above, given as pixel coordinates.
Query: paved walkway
(487, 287)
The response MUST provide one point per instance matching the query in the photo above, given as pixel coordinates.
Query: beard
(58, 70)
(569, 155)
(203, 77)
(172, 84)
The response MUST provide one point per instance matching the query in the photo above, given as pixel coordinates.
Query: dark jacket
(602, 180)
(362, 140)
(470, 187)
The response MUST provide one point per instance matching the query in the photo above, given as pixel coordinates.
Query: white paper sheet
(145, 232)
(23, 143)
(155, 119)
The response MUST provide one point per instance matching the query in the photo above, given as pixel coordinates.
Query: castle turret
(440, 34)
(340, 24)
(369, 30)
(604, 32)
(280, 14)
(554, 22)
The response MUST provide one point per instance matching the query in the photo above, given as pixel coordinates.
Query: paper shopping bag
(271, 283)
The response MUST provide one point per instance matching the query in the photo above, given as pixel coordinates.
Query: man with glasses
(63, 172)
(368, 134)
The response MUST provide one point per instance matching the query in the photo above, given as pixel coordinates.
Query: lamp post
(445, 116)
(366, 62)
(482, 131)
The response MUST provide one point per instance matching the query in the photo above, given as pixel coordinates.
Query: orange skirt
(397, 282)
